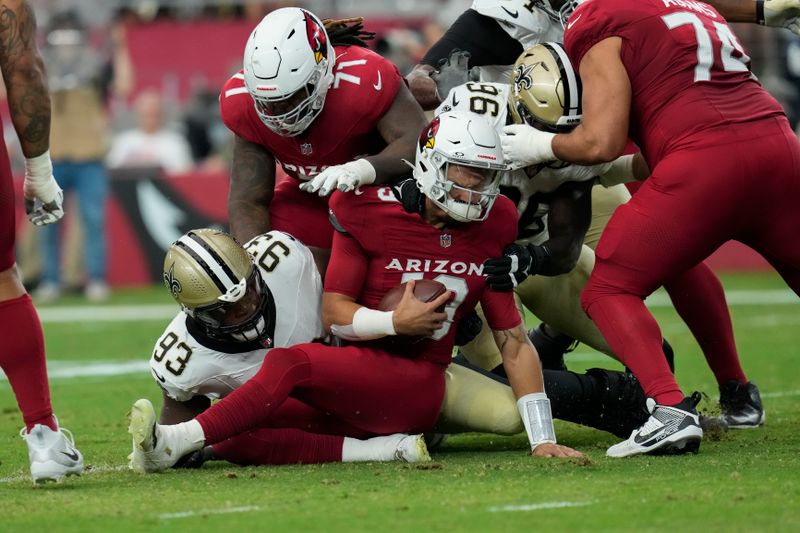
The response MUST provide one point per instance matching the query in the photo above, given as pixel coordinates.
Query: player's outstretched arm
(400, 127)
(524, 371)
(775, 13)
(175, 412)
(251, 189)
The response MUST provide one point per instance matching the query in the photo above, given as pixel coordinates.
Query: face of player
(466, 186)
(275, 108)
(241, 319)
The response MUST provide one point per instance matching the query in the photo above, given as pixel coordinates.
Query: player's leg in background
(605, 200)
(91, 187)
(482, 351)
(478, 401)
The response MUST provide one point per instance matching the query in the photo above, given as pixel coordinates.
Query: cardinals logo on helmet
(428, 137)
(172, 284)
(317, 38)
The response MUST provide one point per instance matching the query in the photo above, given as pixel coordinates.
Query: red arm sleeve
(347, 268)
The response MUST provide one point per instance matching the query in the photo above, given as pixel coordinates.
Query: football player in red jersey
(51, 451)
(333, 113)
(371, 386)
(725, 165)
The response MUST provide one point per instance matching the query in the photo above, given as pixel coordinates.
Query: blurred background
(138, 140)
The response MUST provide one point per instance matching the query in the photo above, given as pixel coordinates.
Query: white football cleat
(52, 454)
(151, 451)
(412, 449)
(670, 430)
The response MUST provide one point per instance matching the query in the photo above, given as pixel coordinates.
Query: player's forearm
(251, 190)
(400, 128)
(520, 361)
(568, 221)
(736, 10)
(389, 165)
(25, 78)
(175, 412)
(337, 309)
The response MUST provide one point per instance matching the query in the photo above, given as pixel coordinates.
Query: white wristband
(620, 171)
(364, 170)
(368, 324)
(534, 409)
(39, 169)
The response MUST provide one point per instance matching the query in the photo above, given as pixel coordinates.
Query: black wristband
(760, 12)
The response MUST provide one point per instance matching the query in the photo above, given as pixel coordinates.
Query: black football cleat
(740, 404)
(551, 349)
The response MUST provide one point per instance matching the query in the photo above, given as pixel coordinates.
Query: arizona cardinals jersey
(687, 69)
(364, 87)
(523, 21)
(489, 100)
(186, 363)
(384, 246)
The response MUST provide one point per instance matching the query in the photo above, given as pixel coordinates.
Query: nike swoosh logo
(159, 377)
(455, 102)
(380, 82)
(572, 22)
(72, 455)
(358, 192)
(512, 14)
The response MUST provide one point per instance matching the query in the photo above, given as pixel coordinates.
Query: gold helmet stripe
(216, 268)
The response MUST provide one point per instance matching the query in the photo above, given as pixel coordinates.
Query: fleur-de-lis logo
(172, 284)
(522, 77)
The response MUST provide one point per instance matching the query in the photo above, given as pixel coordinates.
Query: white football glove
(549, 179)
(343, 177)
(783, 14)
(524, 146)
(44, 199)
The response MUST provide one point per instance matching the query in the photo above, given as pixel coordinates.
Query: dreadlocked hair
(347, 32)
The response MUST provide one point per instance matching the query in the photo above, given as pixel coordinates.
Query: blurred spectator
(80, 79)
(151, 143)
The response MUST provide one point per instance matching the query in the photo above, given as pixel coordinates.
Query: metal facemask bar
(298, 119)
(476, 204)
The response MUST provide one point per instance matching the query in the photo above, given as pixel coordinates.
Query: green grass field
(745, 480)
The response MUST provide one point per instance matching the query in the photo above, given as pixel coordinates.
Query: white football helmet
(288, 68)
(459, 145)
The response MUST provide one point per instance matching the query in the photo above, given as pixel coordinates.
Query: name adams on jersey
(186, 363)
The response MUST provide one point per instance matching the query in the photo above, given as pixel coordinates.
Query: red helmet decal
(428, 137)
(317, 38)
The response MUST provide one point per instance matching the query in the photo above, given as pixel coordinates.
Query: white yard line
(780, 394)
(536, 506)
(204, 512)
(120, 313)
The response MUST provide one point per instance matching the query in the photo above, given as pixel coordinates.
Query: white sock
(185, 437)
(374, 449)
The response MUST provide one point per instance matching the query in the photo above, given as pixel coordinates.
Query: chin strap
(760, 18)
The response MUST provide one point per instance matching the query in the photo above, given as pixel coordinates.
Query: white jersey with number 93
(184, 367)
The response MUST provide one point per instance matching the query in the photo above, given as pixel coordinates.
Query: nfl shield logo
(445, 240)
(306, 149)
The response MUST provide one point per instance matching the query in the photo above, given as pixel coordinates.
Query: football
(425, 290)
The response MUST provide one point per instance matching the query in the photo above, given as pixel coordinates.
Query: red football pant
(739, 182)
(22, 360)
(280, 447)
(359, 387)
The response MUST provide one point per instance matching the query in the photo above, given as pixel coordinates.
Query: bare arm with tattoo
(29, 104)
(251, 189)
(24, 75)
(524, 371)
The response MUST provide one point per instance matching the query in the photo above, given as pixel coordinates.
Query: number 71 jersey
(187, 363)
(688, 71)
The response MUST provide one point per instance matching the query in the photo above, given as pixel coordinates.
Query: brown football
(425, 290)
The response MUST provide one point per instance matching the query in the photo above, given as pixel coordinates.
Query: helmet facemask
(307, 104)
(237, 314)
(470, 202)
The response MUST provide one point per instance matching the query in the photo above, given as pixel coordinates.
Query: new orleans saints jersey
(489, 100)
(187, 363)
(523, 21)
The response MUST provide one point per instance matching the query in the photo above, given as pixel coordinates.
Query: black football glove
(452, 72)
(517, 263)
(410, 196)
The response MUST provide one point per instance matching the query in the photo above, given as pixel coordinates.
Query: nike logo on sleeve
(571, 23)
(380, 82)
